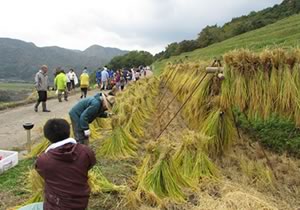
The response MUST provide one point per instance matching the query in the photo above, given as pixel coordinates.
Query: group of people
(64, 82)
(108, 78)
(65, 163)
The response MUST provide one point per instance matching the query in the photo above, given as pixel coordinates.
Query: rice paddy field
(233, 145)
(14, 91)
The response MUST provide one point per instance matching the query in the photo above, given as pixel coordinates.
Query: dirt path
(12, 134)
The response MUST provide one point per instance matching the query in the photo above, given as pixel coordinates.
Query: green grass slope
(284, 33)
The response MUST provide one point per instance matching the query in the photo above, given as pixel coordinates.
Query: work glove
(87, 133)
(110, 114)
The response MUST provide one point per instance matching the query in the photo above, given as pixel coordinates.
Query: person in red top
(64, 166)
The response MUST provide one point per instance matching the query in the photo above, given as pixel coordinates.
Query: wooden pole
(166, 89)
(28, 141)
(181, 106)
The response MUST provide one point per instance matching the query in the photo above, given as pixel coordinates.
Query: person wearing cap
(87, 110)
(84, 83)
(41, 85)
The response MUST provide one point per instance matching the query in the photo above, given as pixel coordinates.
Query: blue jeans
(33, 206)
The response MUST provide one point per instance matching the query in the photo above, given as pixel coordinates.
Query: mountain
(20, 60)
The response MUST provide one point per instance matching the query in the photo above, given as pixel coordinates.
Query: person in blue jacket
(98, 77)
(85, 111)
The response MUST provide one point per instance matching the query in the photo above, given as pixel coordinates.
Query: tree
(210, 35)
(131, 59)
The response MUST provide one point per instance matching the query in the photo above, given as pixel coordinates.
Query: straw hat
(108, 101)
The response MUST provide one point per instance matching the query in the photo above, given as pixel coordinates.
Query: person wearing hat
(87, 110)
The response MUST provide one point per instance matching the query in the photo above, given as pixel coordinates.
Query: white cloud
(126, 24)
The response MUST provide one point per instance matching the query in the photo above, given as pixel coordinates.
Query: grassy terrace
(284, 33)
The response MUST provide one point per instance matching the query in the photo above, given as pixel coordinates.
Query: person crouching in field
(84, 83)
(85, 111)
(64, 166)
(60, 84)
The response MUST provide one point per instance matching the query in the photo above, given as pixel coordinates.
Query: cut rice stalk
(98, 182)
(39, 148)
(119, 145)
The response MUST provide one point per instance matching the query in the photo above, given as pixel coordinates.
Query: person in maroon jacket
(64, 166)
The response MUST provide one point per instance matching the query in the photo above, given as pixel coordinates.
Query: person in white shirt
(72, 76)
(132, 75)
(69, 81)
(104, 78)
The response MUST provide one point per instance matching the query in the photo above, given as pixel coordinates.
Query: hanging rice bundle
(219, 125)
(259, 99)
(191, 158)
(98, 182)
(135, 124)
(225, 95)
(288, 93)
(205, 98)
(242, 66)
(39, 148)
(119, 145)
(278, 58)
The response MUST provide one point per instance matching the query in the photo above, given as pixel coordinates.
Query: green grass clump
(12, 179)
(278, 134)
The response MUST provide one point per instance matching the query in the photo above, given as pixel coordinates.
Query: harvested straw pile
(158, 178)
(133, 108)
(97, 181)
(192, 160)
(99, 184)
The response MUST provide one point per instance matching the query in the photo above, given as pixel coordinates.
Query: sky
(125, 24)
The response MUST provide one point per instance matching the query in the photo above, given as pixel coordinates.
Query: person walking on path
(69, 84)
(104, 78)
(60, 84)
(72, 77)
(84, 83)
(41, 85)
(87, 110)
(64, 167)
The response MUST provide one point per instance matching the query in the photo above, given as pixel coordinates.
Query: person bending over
(87, 110)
